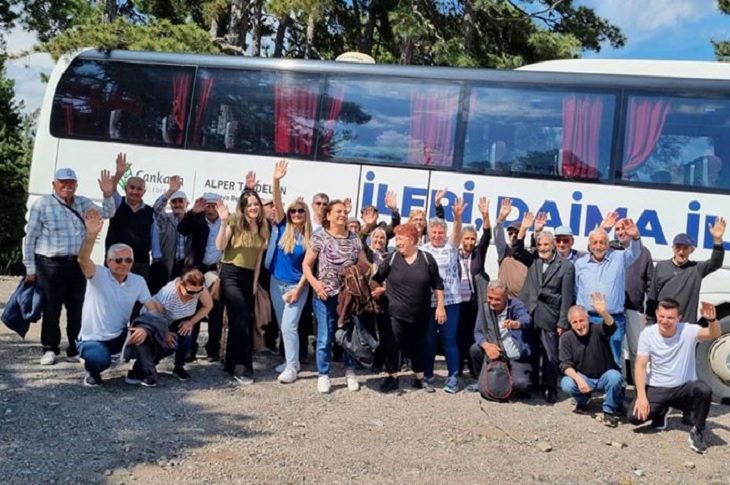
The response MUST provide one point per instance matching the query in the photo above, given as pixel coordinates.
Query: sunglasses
(296, 211)
(192, 292)
(320, 203)
(562, 239)
(123, 260)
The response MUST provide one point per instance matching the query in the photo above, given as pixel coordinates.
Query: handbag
(357, 341)
(495, 378)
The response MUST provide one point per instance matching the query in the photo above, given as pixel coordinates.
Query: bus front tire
(713, 363)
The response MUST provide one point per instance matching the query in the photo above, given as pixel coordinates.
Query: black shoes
(180, 373)
(551, 396)
(697, 441)
(390, 384)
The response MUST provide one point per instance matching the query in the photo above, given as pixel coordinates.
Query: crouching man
(672, 381)
(587, 361)
(500, 318)
(111, 293)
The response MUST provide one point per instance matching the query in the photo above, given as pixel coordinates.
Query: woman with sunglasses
(332, 250)
(179, 299)
(242, 238)
(289, 288)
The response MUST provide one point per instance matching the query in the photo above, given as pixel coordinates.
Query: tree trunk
(256, 30)
(109, 10)
(367, 47)
(358, 32)
(467, 26)
(236, 34)
(406, 52)
(311, 24)
(280, 36)
(213, 31)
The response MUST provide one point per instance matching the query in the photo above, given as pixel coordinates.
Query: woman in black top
(410, 276)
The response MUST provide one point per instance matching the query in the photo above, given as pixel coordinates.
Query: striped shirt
(175, 309)
(54, 230)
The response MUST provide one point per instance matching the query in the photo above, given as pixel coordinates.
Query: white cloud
(640, 20)
(26, 71)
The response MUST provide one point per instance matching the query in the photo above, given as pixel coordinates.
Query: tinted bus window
(679, 141)
(539, 132)
(124, 102)
(255, 112)
(392, 121)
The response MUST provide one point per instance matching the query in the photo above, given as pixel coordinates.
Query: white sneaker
(352, 383)
(324, 385)
(288, 375)
(49, 358)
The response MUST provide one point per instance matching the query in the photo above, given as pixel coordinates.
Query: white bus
(576, 140)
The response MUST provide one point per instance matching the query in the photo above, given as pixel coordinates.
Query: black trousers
(215, 330)
(397, 336)
(63, 284)
(465, 333)
(521, 370)
(547, 352)
(237, 296)
(695, 396)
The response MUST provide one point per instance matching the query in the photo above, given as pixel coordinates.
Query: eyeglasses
(296, 211)
(562, 239)
(319, 203)
(192, 292)
(123, 260)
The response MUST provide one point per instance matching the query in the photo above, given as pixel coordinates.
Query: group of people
(557, 316)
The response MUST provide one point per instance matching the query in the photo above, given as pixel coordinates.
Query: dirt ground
(210, 430)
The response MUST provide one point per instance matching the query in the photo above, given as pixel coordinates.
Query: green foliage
(15, 153)
(722, 48)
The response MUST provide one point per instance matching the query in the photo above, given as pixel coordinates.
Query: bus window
(539, 132)
(389, 121)
(678, 141)
(129, 103)
(257, 112)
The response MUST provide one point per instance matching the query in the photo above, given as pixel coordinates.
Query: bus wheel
(713, 363)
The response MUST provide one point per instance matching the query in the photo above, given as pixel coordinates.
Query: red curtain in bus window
(180, 92)
(581, 136)
(336, 99)
(432, 124)
(644, 127)
(206, 87)
(294, 111)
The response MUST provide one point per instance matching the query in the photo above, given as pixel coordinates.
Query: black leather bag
(357, 341)
(495, 380)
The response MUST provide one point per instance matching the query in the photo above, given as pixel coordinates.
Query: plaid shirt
(53, 230)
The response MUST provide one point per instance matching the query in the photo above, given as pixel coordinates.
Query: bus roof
(637, 67)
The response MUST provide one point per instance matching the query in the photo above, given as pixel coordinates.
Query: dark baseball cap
(514, 225)
(684, 240)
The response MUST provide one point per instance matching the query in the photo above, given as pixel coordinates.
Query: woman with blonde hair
(242, 238)
(289, 288)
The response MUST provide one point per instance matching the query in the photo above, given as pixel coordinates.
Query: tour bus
(575, 139)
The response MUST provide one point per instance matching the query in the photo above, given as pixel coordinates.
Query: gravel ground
(210, 431)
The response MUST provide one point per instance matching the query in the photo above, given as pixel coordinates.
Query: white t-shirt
(108, 304)
(672, 360)
(447, 258)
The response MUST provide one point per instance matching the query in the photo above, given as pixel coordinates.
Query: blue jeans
(447, 332)
(617, 339)
(287, 314)
(610, 382)
(184, 343)
(97, 354)
(326, 313)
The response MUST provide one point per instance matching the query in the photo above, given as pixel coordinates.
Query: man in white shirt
(111, 293)
(672, 380)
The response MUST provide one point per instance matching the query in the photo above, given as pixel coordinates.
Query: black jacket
(195, 226)
(548, 295)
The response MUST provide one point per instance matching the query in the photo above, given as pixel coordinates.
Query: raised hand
(527, 221)
(370, 216)
(540, 221)
(348, 204)
(251, 180)
(708, 311)
(93, 221)
(391, 201)
(504, 209)
(629, 228)
(175, 184)
(717, 230)
(280, 169)
(439, 196)
(106, 183)
(121, 165)
(598, 301)
(300, 200)
(609, 221)
(458, 208)
(484, 207)
(222, 209)
(199, 205)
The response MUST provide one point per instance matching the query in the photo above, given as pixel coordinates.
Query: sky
(655, 29)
